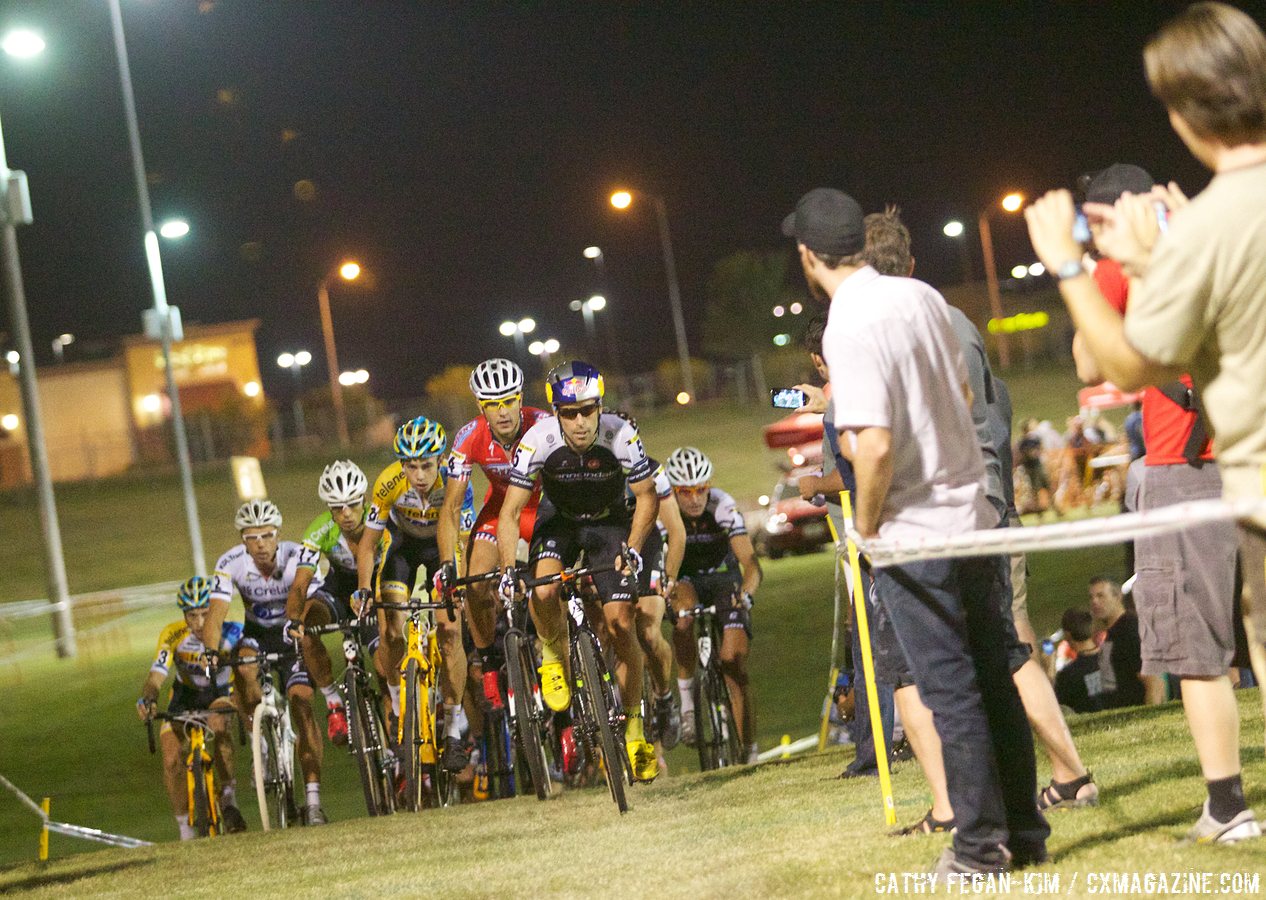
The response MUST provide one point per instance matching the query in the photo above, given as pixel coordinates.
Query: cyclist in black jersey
(584, 459)
(720, 567)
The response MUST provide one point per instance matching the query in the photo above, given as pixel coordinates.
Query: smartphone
(1081, 228)
(1162, 216)
(787, 398)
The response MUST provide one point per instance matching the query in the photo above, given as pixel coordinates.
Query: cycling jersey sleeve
(321, 537)
(230, 636)
(386, 490)
(629, 451)
(460, 464)
(527, 461)
(167, 643)
(663, 488)
(222, 579)
(728, 516)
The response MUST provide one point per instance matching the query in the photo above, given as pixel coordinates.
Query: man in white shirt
(903, 403)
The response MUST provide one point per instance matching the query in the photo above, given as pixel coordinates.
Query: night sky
(464, 153)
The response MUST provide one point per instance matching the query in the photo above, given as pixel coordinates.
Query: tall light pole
(165, 318)
(295, 363)
(348, 271)
(623, 200)
(60, 343)
(587, 308)
(1010, 203)
(16, 210)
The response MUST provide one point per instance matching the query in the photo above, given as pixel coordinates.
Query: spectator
(1134, 432)
(1029, 451)
(1120, 655)
(1079, 685)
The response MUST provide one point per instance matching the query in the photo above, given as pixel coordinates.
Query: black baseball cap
(827, 221)
(1108, 185)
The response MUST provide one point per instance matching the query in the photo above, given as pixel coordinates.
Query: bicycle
(421, 708)
(272, 745)
(598, 715)
(367, 735)
(204, 799)
(717, 735)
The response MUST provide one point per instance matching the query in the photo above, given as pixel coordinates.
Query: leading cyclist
(584, 459)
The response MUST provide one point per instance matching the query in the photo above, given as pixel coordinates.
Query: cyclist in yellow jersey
(180, 650)
(401, 525)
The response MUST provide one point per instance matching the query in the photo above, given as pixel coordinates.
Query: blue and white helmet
(573, 382)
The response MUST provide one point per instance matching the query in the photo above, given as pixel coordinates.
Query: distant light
(174, 228)
(508, 328)
(303, 357)
(10, 421)
(536, 348)
(797, 459)
(782, 340)
(151, 403)
(362, 376)
(1019, 322)
(1019, 271)
(683, 398)
(349, 271)
(551, 346)
(65, 339)
(1012, 202)
(953, 228)
(251, 389)
(23, 44)
(779, 312)
(597, 302)
(576, 305)
(797, 308)
(621, 199)
(12, 357)
(763, 499)
(593, 252)
(1037, 269)
(527, 325)
(347, 379)
(286, 360)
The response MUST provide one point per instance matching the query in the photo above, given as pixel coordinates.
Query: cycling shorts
(563, 539)
(188, 699)
(486, 523)
(400, 559)
(652, 574)
(719, 588)
(274, 640)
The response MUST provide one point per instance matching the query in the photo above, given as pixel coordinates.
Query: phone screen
(1081, 228)
(787, 398)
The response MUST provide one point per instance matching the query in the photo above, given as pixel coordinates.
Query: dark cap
(1108, 186)
(827, 221)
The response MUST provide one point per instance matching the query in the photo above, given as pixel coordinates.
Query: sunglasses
(700, 491)
(337, 508)
(573, 411)
(503, 403)
(259, 538)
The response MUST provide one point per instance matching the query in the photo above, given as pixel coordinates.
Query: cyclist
(334, 534)
(489, 442)
(584, 459)
(402, 522)
(180, 649)
(720, 567)
(262, 569)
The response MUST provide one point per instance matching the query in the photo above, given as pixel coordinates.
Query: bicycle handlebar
(410, 605)
(189, 717)
(566, 575)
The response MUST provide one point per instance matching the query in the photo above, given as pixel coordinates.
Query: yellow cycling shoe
(554, 686)
(643, 760)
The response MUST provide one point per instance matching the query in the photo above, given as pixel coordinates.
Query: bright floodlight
(953, 228)
(174, 228)
(151, 403)
(12, 357)
(551, 346)
(536, 348)
(683, 398)
(361, 376)
(782, 340)
(779, 311)
(527, 325)
(302, 358)
(1012, 202)
(286, 360)
(621, 199)
(9, 422)
(1037, 269)
(508, 329)
(597, 302)
(251, 389)
(23, 43)
(593, 252)
(349, 271)
(65, 339)
(347, 379)
(1019, 271)
(576, 305)
(796, 308)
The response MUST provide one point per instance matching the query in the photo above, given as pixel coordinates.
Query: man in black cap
(902, 403)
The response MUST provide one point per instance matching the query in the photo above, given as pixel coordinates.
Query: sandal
(926, 825)
(1067, 794)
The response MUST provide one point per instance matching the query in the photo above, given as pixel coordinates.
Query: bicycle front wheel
(411, 737)
(366, 743)
(273, 787)
(527, 711)
(721, 735)
(599, 706)
(199, 798)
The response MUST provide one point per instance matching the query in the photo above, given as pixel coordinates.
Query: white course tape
(1057, 536)
(79, 831)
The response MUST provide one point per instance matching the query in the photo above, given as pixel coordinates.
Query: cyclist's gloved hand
(445, 578)
(633, 560)
(746, 600)
(212, 658)
(362, 599)
(667, 588)
(293, 629)
(145, 709)
(508, 586)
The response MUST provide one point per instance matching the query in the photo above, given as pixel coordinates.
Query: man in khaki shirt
(1200, 303)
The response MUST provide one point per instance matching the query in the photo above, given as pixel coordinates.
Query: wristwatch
(1069, 269)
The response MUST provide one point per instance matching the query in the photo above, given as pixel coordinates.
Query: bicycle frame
(270, 723)
(199, 766)
(718, 743)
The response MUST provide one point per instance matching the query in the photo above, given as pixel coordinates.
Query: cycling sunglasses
(503, 403)
(572, 412)
(698, 491)
(260, 538)
(339, 507)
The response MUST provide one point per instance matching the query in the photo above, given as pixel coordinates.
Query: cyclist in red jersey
(487, 441)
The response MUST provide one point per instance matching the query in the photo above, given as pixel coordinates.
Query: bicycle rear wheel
(721, 738)
(527, 711)
(600, 709)
(366, 745)
(411, 740)
(199, 800)
(273, 787)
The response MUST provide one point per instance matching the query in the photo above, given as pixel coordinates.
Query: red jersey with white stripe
(476, 445)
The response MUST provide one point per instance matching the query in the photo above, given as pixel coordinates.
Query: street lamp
(587, 308)
(60, 343)
(295, 363)
(349, 378)
(1010, 203)
(594, 253)
(16, 210)
(348, 271)
(173, 229)
(622, 200)
(517, 330)
(544, 349)
(954, 229)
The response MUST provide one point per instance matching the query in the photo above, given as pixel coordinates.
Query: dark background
(464, 153)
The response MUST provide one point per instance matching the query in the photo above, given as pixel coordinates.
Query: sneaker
(1209, 830)
(567, 748)
(554, 686)
(492, 688)
(643, 760)
(454, 758)
(686, 725)
(666, 721)
(313, 815)
(336, 724)
(232, 819)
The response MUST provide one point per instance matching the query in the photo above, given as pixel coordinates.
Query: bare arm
(749, 565)
(872, 465)
(644, 512)
(450, 518)
(216, 614)
(508, 524)
(298, 592)
(365, 557)
(675, 551)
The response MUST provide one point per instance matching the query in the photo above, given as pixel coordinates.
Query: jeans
(863, 735)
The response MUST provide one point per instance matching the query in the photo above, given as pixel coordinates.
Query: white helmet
(688, 467)
(257, 514)
(341, 483)
(493, 379)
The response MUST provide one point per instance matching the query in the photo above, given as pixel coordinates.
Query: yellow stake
(47, 806)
